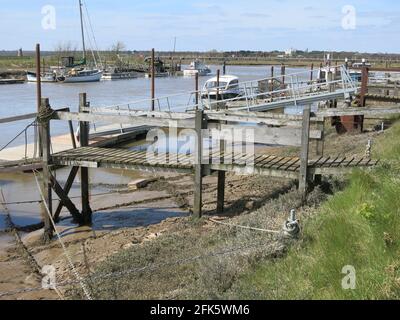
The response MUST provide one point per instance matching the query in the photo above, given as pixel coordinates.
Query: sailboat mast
(82, 30)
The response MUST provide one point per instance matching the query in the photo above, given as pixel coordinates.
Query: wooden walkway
(92, 157)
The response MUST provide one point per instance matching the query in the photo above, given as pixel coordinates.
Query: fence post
(84, 140)
(44, 130)
(305, 137)
(200, 123)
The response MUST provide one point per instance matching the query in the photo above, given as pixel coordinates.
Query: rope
(244, 227)
(18, 135)
(44, 114)
(74, 272)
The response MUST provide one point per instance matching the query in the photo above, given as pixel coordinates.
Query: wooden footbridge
(235, 132)
(266, 128)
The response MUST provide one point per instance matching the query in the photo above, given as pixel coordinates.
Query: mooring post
(224, 68)
(84, 140)
(271, 88)
(305, 137)
(311, 72)
(217, 94)
(364, 85)
(283, 72)
(38, 96)
(44, 130)
(196, 85)
(200, 123)
(153, 80)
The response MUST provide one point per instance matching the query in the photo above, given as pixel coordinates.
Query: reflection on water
(23, 188)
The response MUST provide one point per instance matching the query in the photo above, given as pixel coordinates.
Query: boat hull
(119, 76)
(158, 75)
(221, 96)
(32, 78)
(192, 73)
(82, 78)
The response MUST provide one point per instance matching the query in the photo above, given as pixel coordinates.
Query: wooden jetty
(21, 158)
(301, 129)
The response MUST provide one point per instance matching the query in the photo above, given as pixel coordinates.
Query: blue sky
(207, 24)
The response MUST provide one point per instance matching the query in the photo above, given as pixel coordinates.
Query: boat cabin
(228, 87)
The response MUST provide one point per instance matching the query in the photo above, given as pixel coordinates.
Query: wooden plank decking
(288, 167)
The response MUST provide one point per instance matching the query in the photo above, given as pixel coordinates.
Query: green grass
(359, 226)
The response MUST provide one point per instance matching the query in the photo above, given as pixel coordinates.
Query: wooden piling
(217, 95)
(305, 137)
(38, 95)
(311, 72)
(364, 85)
(196, 85)
(272, 80)
(221, 174)
(200, 123)
(84, 141)
(153, 80)
(44, 131)
(283, 72)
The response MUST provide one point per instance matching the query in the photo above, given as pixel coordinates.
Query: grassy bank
(359, 226)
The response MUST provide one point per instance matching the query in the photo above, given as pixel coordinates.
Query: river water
(21, 99)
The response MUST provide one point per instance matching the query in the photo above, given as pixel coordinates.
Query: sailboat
(80, 72)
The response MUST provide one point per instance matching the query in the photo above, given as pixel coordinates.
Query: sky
(223, 25)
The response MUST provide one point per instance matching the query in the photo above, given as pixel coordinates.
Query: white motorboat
(197, 67)
(227, 88)
(44, 77)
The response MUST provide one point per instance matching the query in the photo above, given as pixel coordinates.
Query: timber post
(221, 174)
(305, 137)
(321, 142)
(153, 79)
(84, 141)
(196, 85)
(38, 96)
(200, 124)
(44, 130)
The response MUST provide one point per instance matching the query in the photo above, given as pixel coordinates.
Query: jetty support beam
(67, 188)
(305, 138)
(199, 169)
(65, 199)
(44, 133)
(84, 141)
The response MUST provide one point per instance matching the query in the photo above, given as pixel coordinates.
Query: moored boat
(226, 88)
(197, 67)
(44, 77)
(82, 75)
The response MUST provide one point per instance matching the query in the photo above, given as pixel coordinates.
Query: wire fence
(150, 267)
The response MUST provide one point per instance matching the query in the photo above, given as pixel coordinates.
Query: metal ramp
(295, 89)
